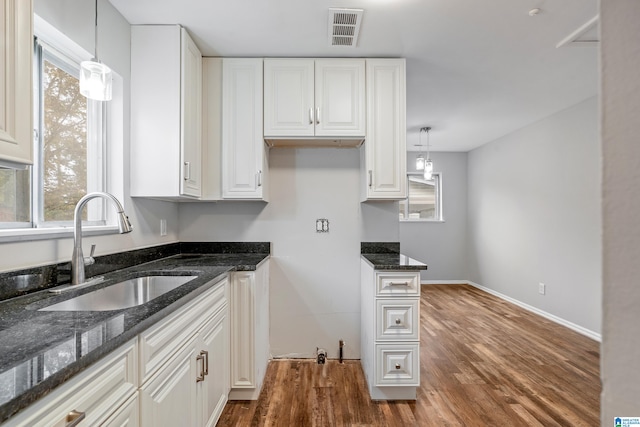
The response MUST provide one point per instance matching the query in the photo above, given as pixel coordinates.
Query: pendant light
(420, 158)
(428, 164)
(96, 79)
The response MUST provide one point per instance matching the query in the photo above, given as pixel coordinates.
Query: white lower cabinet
(390, 332)
(95, 395)
(250, 352)
(191, 387)
(176, 373)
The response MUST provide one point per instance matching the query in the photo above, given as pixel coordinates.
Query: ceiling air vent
(344, 26)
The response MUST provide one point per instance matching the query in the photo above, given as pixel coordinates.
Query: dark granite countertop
(387, 256)
(40, 350)
(393, 262)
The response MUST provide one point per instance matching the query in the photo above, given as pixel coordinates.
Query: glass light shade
(96, 80)
(428, 170)
(420, 162)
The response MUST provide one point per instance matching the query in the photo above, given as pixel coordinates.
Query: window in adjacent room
(69, 158)
(424, 201)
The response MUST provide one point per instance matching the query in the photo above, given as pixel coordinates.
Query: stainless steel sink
(128, 293)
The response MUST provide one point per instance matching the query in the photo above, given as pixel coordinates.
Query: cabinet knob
(398, 321)
(398, 366)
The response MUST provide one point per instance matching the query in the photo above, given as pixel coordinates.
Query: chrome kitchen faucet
(77, 259)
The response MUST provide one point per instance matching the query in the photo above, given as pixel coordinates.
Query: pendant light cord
(95, 34)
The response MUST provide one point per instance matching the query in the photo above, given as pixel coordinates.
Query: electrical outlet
(163, 227)
(542, 288)
(322, 225)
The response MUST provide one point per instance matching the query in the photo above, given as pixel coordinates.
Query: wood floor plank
(483, 362)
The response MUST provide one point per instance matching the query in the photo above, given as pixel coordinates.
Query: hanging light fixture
(428, 164)
(420, 158)
(96, 79)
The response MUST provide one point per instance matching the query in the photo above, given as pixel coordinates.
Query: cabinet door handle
(398, 321)
(399, 284)
(318, 115)
(259, 178)
(74, 417)
(201, 376)
(311, 115)
(370, 178)
(206, 361)
(187, 171)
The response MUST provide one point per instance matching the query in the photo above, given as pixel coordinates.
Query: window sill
(422, 220)
(29, 234)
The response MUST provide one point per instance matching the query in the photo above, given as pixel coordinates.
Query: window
(424, 201)
(69, 158)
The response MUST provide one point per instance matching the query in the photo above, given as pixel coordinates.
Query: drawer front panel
(397, 365)
(397, 284)
(397, 320)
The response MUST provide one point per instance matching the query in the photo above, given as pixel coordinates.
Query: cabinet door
(169, 399)
(242, 298)
(385, 146)
(16, 50)
(340, 97)
(214, 340)
(243, 150)
(289, 108)
(191, 116)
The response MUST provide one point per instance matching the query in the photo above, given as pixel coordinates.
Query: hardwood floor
(484, 362)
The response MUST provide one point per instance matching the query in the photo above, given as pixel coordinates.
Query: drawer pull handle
(399, 284)
(311, 115)
(201, 376)
(206, 361)
(398, 366)
(398, 321)
(74, 417)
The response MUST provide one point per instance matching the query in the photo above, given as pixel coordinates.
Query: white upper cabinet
(314, 98)
(244, 155)
(384, 151)
(166, 113)
(16, 51)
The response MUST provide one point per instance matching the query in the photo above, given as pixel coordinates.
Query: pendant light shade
(428, 164)
(96, 79)
(420, 162)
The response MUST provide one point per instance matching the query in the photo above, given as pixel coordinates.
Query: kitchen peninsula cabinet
(16, 49)
(390, 325)
(244, 154)
(383, 155)
(314, 98)
(166, 113)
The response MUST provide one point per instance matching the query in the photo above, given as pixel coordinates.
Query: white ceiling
(476, 70)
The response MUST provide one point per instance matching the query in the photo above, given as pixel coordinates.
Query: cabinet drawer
(397, 284)
(161, 341)
(397, 365)
(97, 392)
(397, 320)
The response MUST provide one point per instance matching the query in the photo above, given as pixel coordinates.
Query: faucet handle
(89, 260)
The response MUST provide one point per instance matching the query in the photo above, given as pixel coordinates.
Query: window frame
(112, 154)
(439, 201)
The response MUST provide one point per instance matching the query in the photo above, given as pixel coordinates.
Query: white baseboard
(579, 329)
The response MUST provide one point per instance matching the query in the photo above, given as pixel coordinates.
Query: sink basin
(126, 294)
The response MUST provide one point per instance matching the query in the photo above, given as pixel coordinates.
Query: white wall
(534, 215)
(441, 245)
(75, 18)
(620, 62)
(315, 277)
